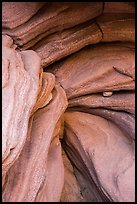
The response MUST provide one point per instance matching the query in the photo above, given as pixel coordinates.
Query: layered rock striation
(68, 102)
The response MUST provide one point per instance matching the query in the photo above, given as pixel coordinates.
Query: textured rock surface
(55, 17)
(68, 101)
(99, 143)
(112, 24)
(125, 121)
(106, 28)
(62, 44)
(118, 108)
(15, 14)
(93, 72)
(20, 79)
(118, 101)
(40, 158)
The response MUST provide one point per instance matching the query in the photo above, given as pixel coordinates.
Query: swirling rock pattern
(68, 102)
(20, 87)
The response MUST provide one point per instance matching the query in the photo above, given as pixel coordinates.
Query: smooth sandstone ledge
(34, 175)
(45, 94)
(20, 88)
(102, 152)
(52, 187)
(118, 108)
(96, 68)
(119, 100)
(125, 121)
(54, 17)
(61, 44)
(15, 14)
(117, 27)
(106, 28)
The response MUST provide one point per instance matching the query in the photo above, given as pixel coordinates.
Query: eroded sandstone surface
(68, 102)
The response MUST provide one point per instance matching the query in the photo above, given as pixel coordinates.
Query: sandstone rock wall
(68, 101)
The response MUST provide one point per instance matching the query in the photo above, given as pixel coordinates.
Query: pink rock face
(112, 24)
(106, 28)
(60, 45)
(15, 14)
(99, 143)
(53, 18)
(40, 160)
(19, 94)
(117, 101)
(68, 102)
(118, 108)
(97, 68)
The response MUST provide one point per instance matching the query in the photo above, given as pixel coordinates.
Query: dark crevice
(73, 156)
(100, 30)
(121, 72)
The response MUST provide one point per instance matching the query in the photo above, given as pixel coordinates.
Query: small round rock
(107, 93)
